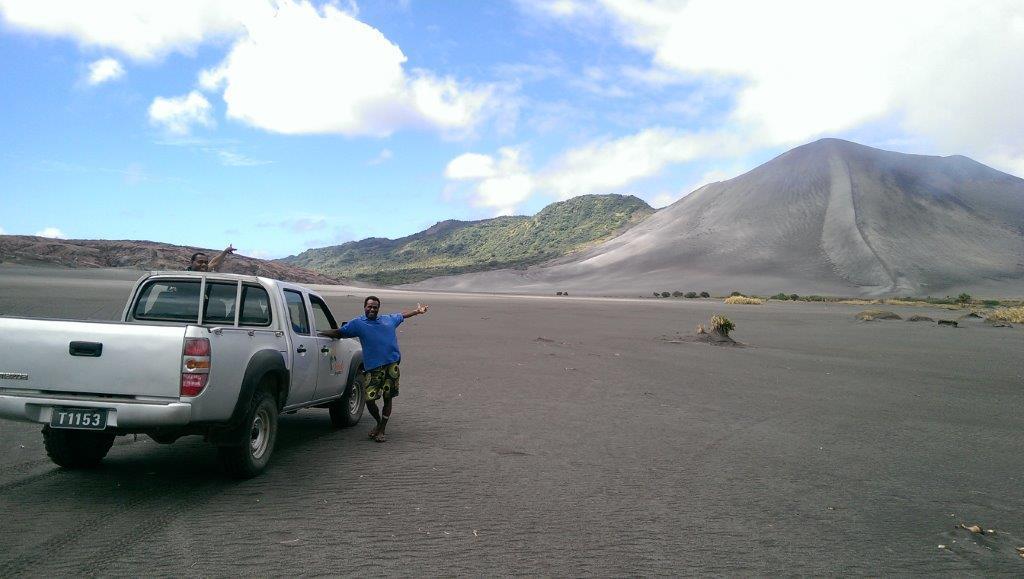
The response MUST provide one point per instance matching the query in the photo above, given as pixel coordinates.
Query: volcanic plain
(569, 436)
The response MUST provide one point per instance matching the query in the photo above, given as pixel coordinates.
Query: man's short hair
(368, 298)
(195, 255)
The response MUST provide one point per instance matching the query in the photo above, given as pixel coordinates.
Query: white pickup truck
(219, 355)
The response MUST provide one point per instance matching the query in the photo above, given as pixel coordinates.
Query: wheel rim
(355, 401)
(259, 435)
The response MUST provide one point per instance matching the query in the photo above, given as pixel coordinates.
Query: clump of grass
(722, 324)
(743, 300)
(858, 302)
(1015, 315)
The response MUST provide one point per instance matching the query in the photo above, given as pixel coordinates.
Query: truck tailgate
(135, 360)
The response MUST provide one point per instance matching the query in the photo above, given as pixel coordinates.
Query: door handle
(325, 350)
(301, 349)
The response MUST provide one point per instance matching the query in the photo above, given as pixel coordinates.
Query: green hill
(453, 247)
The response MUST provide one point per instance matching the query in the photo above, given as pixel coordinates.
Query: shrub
(705, 295)
(780, 297)
(1015, 315)
(990, 303)
(734, 294)
(558, 293)
(657, 295)
(722, 324)
(677, 294)
(794, 297)
(963, 299)
(691, 295)
(665, 294)
(743, 300)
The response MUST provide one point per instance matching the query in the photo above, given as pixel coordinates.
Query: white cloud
(609, 165)
(141, 30)
(470, 166)
(304, 70)
(179, 114)
(939, 68)
(233, 159)
(2, 232)
(499, 184)
(103, 70)
(384, 156)
(52, 233)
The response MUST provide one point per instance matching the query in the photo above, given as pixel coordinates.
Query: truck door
(305, 350)
(334, 354)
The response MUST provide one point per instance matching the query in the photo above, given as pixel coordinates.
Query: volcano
(829, 217)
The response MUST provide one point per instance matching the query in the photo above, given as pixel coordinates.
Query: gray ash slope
(828, 217)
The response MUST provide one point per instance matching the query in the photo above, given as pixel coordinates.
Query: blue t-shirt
(378, 338)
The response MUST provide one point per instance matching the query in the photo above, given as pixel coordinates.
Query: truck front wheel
(347, 410)
(77, 448)
(259, 434)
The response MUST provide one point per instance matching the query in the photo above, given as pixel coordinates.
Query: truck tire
(258, 433)
(347, 410)
(77, 448)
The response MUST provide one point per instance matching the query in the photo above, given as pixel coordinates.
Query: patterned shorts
(382, 382)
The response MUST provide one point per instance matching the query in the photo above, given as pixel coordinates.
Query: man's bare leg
(383, 422)
(371, 405)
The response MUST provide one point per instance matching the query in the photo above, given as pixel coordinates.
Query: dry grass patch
(743, 300)
(1015, 315)
(856, 302)
(921, 304)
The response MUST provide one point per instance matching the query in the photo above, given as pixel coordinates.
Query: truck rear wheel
(259, 433)
(77, 448)
(347, 410)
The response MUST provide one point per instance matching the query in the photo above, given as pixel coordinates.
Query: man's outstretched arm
(420, 309)
(216, 261)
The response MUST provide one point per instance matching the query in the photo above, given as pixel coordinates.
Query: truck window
(297, 312)
(255, 307)
(322, 318)
(220, 303)
(168, 301)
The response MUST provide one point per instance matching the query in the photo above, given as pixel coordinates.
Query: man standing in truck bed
(381, 356)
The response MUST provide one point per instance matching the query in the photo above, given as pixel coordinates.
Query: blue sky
(280, 126)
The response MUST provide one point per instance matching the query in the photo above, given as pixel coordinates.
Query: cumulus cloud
(103, 70)
(470, 166)
(806, 68)
(179, 114)
(141, 30)
(609, 165)
(52, 233)
(600, 166)
(304, 70)
(499, 184)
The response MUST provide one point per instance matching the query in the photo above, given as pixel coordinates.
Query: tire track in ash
(182, 479)
(133, 510)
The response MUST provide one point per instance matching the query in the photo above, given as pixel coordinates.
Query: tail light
(195, 366)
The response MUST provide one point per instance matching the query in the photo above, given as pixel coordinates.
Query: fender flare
(357, 361)
(261, 364)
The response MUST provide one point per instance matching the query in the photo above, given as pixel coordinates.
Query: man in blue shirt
(381, 356)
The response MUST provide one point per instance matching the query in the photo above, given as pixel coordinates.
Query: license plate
(79, 418)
